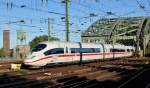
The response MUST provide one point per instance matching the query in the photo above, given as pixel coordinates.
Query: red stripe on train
(68, 55)
(40, 59)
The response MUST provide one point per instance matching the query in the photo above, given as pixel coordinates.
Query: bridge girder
(141, 37)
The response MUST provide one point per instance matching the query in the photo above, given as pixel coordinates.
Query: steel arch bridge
(127, 30)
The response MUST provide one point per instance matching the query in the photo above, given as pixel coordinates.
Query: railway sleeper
(10, 80)
(66, 78)
(37, 84)
(95, 85)
(14, 84)
(75, 80)
(84, 84)
(73, 84)
(5, 76)
(128, 73)
(54, 86)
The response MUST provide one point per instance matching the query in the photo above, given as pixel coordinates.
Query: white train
(61, 52)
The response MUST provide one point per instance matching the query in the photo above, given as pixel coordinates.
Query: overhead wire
(40, 10)
(61, 14)
(142, 7)
(33, 19)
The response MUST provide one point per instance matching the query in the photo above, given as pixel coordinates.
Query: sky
(36, 12)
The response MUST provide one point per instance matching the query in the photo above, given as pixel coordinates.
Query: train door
(57, 54)
(55, 58)
(108, 51)
(54, 54)
(91, 52)
(67, 56)
(74, 52)
(64, 57)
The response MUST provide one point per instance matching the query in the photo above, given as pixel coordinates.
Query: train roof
(64, 42)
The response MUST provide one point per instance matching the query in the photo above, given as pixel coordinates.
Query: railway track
(89, 75)
(140, 80)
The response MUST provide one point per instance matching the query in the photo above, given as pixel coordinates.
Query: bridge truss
(133, 31)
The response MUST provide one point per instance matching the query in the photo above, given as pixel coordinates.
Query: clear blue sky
(35, 13)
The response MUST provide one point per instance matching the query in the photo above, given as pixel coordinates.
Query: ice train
(63, 52)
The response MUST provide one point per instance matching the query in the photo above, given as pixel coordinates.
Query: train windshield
(38, 47)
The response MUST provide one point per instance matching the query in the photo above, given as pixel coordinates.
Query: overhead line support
(67, 20)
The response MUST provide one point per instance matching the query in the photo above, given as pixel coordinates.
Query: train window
(128, 50)
(54, 51)
(132, 50)
(86, 50)
(96, 50)
(91, 50)
(75, 50)
(38, 47)
(112, 50)
(117, 50)
(122, 50)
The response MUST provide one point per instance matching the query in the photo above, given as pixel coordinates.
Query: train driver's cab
(35, 51)
(38, 47)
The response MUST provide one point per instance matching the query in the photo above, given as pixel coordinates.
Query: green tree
(42, 38)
